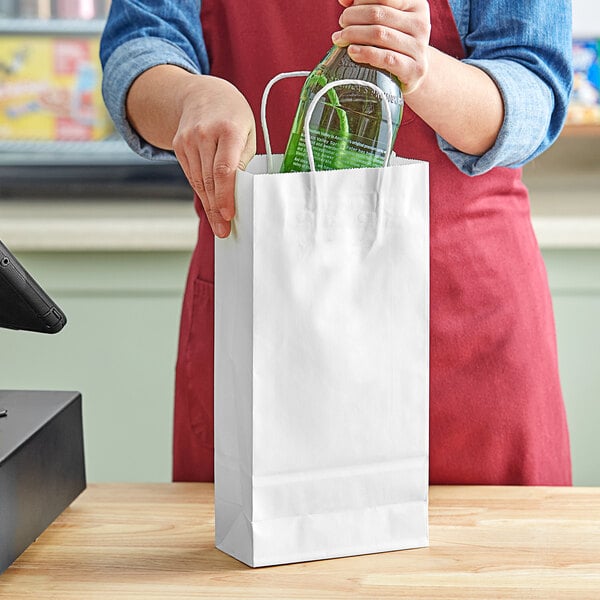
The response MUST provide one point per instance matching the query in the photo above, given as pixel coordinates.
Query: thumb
(249, 151)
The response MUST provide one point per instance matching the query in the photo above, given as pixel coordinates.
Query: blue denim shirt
(524, 46)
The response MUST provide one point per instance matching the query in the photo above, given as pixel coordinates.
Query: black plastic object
(23, 302)
(42, 468)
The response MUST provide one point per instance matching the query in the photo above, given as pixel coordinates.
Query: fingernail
(220, 229)
(336, 35)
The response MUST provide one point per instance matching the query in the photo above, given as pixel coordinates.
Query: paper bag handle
(311, 109)
(263, 111)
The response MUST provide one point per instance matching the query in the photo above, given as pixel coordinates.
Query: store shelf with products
(50, 78)
(56, 139)
(20, 26)
(54, 9)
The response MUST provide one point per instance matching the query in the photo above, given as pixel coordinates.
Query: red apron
(496, 409)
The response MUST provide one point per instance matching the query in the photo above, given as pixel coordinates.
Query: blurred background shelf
(51, 26)
(581, 131)
(92, 169)
(112, 151)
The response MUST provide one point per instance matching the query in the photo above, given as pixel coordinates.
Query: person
(486, 87)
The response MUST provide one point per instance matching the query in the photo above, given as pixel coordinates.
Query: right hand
(216, 136)
(392, 35)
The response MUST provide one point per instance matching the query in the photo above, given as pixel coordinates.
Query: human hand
(216, 135)
(392, 35)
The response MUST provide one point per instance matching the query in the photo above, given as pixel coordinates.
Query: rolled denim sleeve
(140, 34)
(525, 47)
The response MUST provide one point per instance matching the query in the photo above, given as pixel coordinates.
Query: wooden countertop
(144, 541)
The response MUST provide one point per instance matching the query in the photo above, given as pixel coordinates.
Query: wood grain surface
(155, 541)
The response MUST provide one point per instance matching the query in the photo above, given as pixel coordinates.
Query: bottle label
(332, 151)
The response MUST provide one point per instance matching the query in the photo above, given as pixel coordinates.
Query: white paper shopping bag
(321, 364)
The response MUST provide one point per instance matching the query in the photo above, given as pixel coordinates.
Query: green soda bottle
(349, 126)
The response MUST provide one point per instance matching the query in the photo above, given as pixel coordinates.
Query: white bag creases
(322, 364)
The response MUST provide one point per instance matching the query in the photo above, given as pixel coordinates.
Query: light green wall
(574, 277)
(119, 350)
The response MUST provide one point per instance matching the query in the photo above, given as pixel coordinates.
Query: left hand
(392, 35)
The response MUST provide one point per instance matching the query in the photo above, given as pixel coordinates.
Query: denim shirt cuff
(528, 107)
(124, 65)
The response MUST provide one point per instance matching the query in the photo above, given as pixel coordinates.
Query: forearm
(155, 103)
(460, 102)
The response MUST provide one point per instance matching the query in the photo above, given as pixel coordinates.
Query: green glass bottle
(349, 126)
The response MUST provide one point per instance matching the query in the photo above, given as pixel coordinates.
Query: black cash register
(42, 468)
